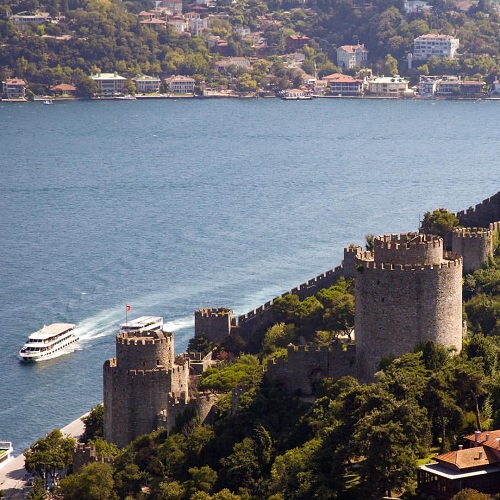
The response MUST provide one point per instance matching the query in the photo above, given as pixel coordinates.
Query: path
(13, 475)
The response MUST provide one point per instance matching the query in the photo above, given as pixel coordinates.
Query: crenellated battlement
(445, 264)
(407, 241)
(473, 232)
(213, 312)
(124, 339)
(482, 214)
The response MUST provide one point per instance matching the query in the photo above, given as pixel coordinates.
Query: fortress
(408, 290)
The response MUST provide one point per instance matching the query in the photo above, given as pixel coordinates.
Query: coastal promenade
(13, 475)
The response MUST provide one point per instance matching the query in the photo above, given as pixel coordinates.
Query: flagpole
(126, 314)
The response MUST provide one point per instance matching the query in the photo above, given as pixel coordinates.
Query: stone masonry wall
(474, 244)
(400, 305)
(305, 366)
(482, 214)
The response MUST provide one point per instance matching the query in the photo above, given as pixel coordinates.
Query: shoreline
(13, 475)
(232, 96)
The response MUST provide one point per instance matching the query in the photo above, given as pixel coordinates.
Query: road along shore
(13, 475)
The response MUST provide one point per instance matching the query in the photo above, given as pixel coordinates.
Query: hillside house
(476, 466)
(296, 42)
(352, 56)
(426, 46)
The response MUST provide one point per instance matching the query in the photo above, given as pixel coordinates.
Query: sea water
(174, 205)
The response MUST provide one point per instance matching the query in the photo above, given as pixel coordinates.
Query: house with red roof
(296, 42)
(352, 56)
(476, 467)
(14, 88)
(345, 85)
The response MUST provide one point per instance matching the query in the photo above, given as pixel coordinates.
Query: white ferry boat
(142, 325)
(49, 342)
(5, 452)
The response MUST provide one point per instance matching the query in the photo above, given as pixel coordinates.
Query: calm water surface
(170, 206)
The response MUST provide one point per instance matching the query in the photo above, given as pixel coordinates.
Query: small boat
(6, 451)
(125, 98)
(49, 342)
(296, 96)
(47, 102)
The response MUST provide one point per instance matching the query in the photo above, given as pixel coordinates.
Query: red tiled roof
(64, 87)
(352, 48)
(478, 456)
(490, 439)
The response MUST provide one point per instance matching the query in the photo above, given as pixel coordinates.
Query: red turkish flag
(128, 307)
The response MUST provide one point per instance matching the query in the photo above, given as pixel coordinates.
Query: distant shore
(251, 96)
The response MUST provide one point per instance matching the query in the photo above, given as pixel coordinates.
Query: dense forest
(351, 441)
(88, 36)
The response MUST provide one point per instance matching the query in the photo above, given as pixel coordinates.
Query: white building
(426, 46)
(351, 56)
(180, 84)
(387, 86)
(146, 84)
(109, 83)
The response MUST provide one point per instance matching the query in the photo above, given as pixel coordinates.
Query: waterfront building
(64, 88)
(146, 84)
(109, 83)
(387, 86)
(340, 84)
(426, 46)
(14, 88)
(180, 84)
(352, 56)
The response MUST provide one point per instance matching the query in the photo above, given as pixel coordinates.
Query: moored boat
(6, 451)
(49, 342)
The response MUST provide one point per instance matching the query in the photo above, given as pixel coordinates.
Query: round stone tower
(137, 382)
(407, 291)
(474, 244)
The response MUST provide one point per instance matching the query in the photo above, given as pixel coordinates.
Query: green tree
(93, 482)
(93, 423)
(50, 455)
(390, 65)
(440, 222)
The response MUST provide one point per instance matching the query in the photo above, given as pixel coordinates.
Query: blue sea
(174, 205)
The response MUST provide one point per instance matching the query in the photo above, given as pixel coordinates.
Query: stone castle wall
(263, 316)
(84, 454)
(482, 214)
(213, 323)
(474, 244)
(401, 305)
(145, 352)
(178, 403)
(136, 385)
(305, 366)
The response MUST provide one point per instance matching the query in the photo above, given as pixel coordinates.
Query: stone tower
(137, 382)
(407, 291)
(213, 323)
(474, 244)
